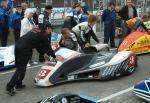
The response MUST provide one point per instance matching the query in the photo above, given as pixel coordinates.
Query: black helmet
(44, 25)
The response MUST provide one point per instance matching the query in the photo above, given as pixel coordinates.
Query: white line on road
(14, 70)
(116, 94)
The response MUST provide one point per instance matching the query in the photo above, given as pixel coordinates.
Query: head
(144, 18)
(29, 13)
(111, 5)
(49, 9)
(24, 6)
(117, 8)
(129, 3)
(77, 7)
(37, 10)
(92, 20)
(65, 33)
(47, 28)
(3, 4)
(19, 9)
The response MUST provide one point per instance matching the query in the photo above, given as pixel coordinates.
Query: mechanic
(84, 32)
(23, 52)
(16, 22)
(67, 41)
(135, 23)
(44, 17)
(4, 21)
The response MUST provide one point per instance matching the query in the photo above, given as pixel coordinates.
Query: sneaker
(11, 91)
(28, 65)
(34, 63)
(20, 87)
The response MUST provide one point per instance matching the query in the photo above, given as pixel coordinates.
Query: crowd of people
(32, 29)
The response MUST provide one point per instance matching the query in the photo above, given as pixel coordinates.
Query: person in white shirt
(27, 23)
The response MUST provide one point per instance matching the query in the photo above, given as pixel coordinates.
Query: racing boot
(11, 91)
(20, 87)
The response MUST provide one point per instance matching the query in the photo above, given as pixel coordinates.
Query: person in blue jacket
(109, 19)
(4, 21)
(16, 22)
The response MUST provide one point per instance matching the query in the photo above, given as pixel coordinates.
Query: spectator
(24, 7)
(16, 22)
(67, 41)
(127, 12)
(47, 13)
(109, 19)
(4, 21)
(71, 19)
(35, 16)
(84, 13)
(27, 23)
(118, 16)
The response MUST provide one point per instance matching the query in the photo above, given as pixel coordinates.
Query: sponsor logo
(97, 64)
(42, 73)
(71, 77)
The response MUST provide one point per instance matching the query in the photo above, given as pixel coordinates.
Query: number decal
(131, 61)
(42, 73)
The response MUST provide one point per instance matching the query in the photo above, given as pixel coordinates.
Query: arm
(145, 28)
(25, 27)
(94, 36)
(103, 15)
(47, 48)
(9, 5)
(12, 21)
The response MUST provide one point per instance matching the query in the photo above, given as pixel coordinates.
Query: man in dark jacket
(127, 12)
(109, 19)
(4, 21)
(47, 13)
(16, 22)
(35, 16)
(23, 52)
(44, 17)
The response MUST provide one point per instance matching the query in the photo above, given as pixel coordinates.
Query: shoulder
(83, 23)
(124, 7)
(133, 7)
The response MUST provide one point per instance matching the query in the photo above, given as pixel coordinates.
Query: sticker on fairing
(43, 73)
(71, 77)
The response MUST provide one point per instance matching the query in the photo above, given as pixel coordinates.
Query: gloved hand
(87, 45)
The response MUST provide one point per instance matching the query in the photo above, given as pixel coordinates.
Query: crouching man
(67, 41)
(23, 52)
(84, 32)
